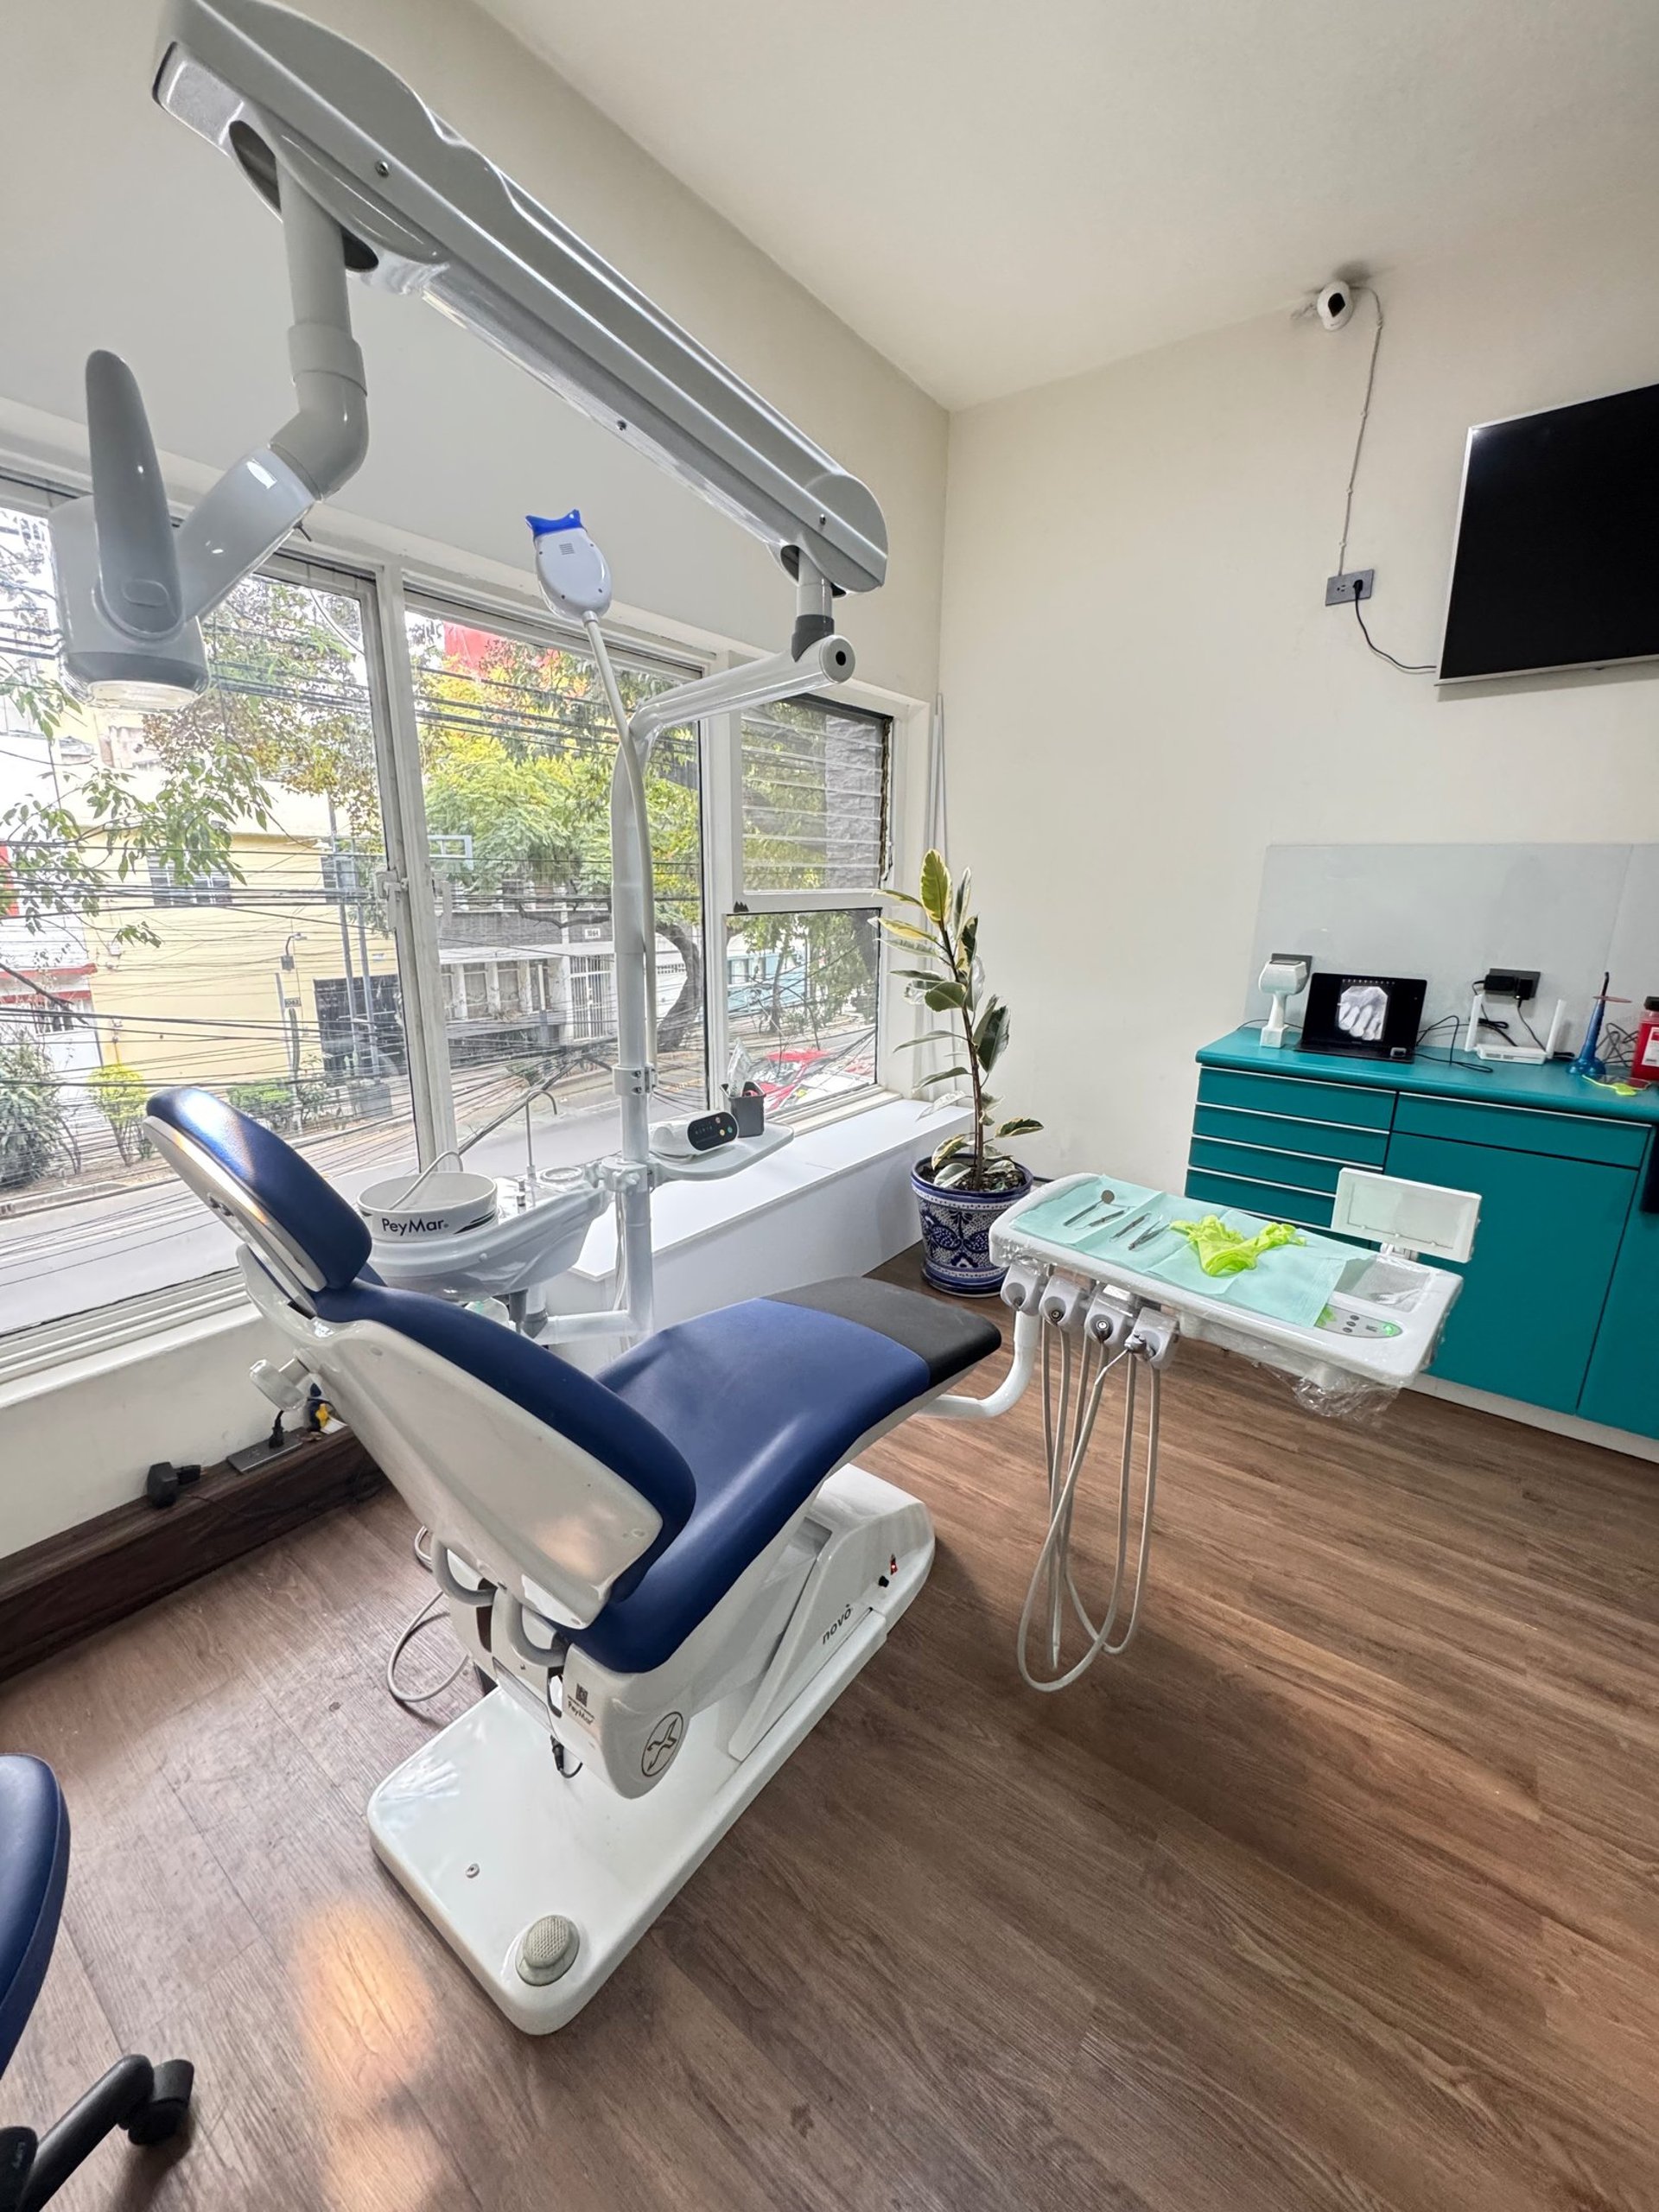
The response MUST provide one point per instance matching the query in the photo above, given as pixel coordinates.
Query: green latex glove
(1223, 1251)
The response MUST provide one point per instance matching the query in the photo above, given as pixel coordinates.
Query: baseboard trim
(90, 1576)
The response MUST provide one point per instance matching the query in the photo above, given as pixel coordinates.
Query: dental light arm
(132, 593)
(254, 505)
(366, 178)
(425, 213)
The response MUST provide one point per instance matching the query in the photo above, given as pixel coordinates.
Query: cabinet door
(1622, 1385)
(1526, 1319)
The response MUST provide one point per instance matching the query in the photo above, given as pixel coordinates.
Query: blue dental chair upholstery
(726, 1424)
(148, 2102)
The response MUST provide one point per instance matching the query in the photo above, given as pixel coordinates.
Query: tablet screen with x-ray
(1369, 1017)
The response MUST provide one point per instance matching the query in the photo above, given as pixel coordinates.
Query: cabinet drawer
(1522, 1128)
(1294, 1172)
(1348, 1148)
(1619, 1386)
(1301, 1098)
(1533, 1291)
(1307, 1208)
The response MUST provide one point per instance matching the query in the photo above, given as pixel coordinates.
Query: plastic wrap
(1333, 1392)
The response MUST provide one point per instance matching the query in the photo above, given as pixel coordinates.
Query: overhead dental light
(366, 178)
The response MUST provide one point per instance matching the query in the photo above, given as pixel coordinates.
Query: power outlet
(1339, 590)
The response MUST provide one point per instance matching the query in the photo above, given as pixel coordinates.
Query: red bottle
(1645, 1053)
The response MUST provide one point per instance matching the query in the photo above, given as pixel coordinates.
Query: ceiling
(996, 193)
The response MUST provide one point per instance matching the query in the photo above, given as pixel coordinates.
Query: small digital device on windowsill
(1364, 1017)
(694, 1133)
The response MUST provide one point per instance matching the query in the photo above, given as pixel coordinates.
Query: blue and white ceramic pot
(957, 1234)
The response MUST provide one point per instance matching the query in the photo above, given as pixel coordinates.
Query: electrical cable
(1364, 417)
(633, 770)
(1405, 668)
(1068, 1430)
(412, 1701)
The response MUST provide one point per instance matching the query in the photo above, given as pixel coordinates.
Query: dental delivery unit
(667, 1570)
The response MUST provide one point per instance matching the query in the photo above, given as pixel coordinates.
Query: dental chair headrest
(306, 1233)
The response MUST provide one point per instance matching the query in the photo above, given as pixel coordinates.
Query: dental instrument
(1147, 1236)
(1118, 1235)
(1102, 1198)
(1103, 1310)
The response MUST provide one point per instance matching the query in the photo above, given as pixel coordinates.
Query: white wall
(1144, 689)
(125, 230)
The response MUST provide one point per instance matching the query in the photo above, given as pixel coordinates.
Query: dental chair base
(490, 1837)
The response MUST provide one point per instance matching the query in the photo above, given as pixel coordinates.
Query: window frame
(748, 898)
(359, 559)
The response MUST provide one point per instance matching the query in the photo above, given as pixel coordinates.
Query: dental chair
(148, 2102)
(668, 1571)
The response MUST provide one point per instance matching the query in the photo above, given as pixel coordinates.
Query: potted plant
(964, 1184)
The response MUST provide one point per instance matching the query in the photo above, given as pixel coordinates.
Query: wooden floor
(1341, 1891)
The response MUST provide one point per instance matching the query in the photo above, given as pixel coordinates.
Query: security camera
(1335, 304)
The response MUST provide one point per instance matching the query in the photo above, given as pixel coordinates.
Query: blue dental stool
(148, 2102)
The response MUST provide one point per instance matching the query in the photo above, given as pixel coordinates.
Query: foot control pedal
(548, 1950)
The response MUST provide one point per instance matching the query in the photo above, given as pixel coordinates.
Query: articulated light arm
(133, 592)
(366, 178)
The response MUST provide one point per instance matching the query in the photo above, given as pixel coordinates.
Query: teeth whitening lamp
(666, 1571)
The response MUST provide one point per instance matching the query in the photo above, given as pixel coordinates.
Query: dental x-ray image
(1369, 1017)
(1360, 1011)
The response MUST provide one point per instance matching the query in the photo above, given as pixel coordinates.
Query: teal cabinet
(1622, 1386)
(1526, 1321)
(1560, 1304)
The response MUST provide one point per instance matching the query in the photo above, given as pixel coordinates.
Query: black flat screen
(1558, 543)
(1367, 1017)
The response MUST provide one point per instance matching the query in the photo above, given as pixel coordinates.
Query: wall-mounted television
(1557, 563)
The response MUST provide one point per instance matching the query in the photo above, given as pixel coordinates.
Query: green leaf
(967, 940)
(904, 934)
(948, 1150)
(945, 1075)
(933, 1037)
(991, 1033)
(959, 914)
(909, 898)
(944, 995)
(1023, 1125)
(935, 887)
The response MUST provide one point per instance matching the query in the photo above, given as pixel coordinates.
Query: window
(167, 888)
(803, 945)
(517, 746)
(206, 898)
(171, 918)
(814, 798)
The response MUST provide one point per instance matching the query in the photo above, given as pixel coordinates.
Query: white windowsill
(878, 1126)
(682, 1213)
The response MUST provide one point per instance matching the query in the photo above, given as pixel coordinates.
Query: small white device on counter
(1489, 1011)
(1285, 974)
(693, 1135)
